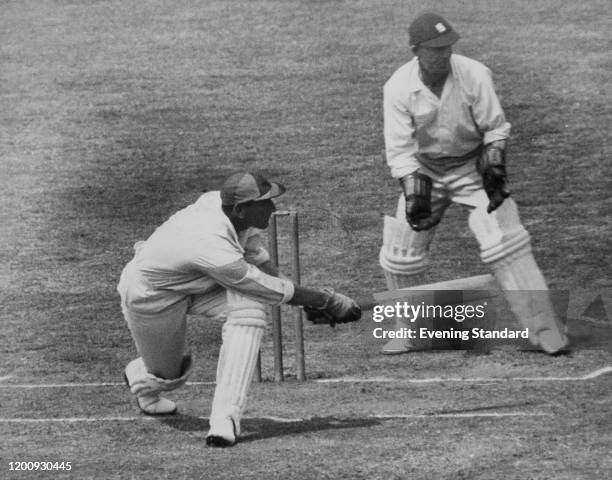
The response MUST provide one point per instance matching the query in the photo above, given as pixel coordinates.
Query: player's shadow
(260, 428)
(185, 423)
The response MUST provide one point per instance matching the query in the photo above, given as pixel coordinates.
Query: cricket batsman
(208, 259)
(445, 142)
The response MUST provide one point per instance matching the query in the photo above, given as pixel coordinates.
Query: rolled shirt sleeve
(252, 282)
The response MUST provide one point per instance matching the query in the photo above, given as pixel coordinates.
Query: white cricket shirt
(420, 127)
(192, 253)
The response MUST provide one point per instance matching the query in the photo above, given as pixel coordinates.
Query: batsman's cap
(431, 30)
(248, 187)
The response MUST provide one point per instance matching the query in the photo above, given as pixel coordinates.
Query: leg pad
(404, 251)
(527, 294)
(242, 335)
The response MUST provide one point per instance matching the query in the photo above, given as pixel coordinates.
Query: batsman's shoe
(156, 405)
(147, 387)
(222, 433)
(152, 403)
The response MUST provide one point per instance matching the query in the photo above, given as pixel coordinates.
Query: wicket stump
(276, 310)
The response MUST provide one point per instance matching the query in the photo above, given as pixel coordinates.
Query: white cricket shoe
(396, 346)
(153, 404)
(222, 433)
(150, 403)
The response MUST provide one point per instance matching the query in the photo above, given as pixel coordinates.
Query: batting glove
(338, 308)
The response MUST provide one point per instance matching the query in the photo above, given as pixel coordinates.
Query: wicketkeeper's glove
(417, 191)
(492, 166)
(338, 308)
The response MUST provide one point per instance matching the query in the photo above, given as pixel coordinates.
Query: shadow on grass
(267, 428)
(185, 423)
(260, 428)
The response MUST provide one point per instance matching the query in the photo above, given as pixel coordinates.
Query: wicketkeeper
(208, 259)
(445, 139)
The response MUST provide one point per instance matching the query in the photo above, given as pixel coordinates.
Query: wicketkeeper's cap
(431, 30)
(248, 187)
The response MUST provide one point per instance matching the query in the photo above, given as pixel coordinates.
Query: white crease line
(599, 372)
(80, 385)
(283, 420)
(589, 376)
(463, 415)
(595, 374)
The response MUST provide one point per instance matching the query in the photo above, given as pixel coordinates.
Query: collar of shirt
(415, 84)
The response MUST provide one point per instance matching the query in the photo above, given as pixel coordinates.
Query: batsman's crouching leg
(242, 333)
(162, 365)
(506, 247)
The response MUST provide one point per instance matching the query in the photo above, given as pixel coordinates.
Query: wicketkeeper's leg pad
(404, 251)
(507, 249)
(527, 294)
(499, 233)
(403, 258)
(242, 333)
(147, 387)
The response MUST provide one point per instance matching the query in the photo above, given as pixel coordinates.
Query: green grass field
(117, 113)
